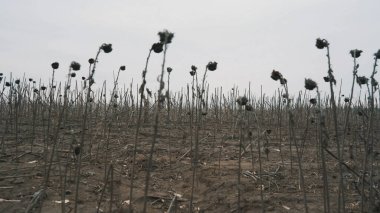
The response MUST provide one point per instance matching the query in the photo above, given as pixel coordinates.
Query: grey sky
(248, 39)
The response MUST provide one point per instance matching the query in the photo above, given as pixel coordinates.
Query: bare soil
(22, 172)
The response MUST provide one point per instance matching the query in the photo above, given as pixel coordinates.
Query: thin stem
(84, 124)
(136, 143)
(341, 202)
(156, 124)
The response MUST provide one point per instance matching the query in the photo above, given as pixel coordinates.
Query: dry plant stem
(346, 120)
(370, 136)
(262, 187)
(289, 132)
(169, 122)
(48, 163)
(259, 137)
(84, 124)
(173, 205)
(34, 112)
(17, 111)
(7, 121)
(368, 152)
(354, 172)
(63, 194)
(240, 151)
(197, 131)
(192, 116)
(58, 127)
(138, 125)
(322, 144)
(51, 99)
(279, 124)
(108, 122)
(104, 189)
(249, 130)
(155, 133)
(293, 140)
(168, 98)
(219, 158)
(111, 189)
(341, 201)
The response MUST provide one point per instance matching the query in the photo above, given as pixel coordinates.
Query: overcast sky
(248, 39)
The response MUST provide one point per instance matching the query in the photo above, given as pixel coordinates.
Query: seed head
(122, 68)
(73, 75)
(161, 98)
(377, 54)
(193, 70)
(248, 107)
(321, 43)
(276, 75)
(169, 69)
(149, 92)
(326, 79)
(310, 84)
(75, 66)
(242, 100)
(43, 88)
(313, 101)
(30, 79)
(17, 81)
(55, 65)
(346, 100)
(362, 80)
(283, 81)
(107, 48)
(212, 65)
(157, 47)
(166, 37)
(7, 84)
(91, 61)
(83, 78)
(1, 74)
(35, 90)
(355, 53)
(374, 83)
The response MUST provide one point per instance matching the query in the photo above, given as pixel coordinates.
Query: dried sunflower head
(212, 65)
(55, 65)
(355, 53)
(321, 43)
(107, 48)
(75, 66)
(310, 84)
